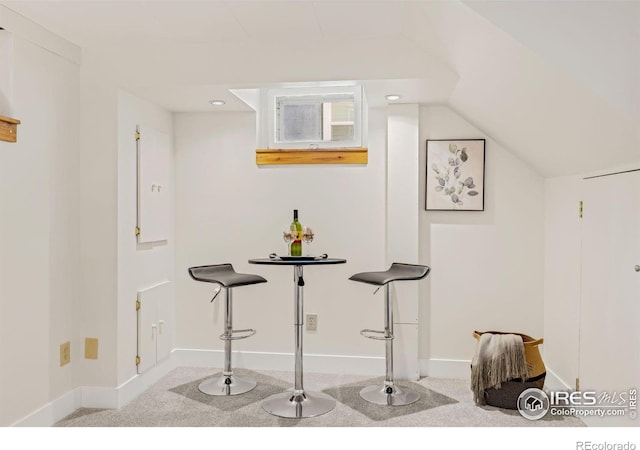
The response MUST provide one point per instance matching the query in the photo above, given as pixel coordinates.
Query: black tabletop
(297, 262)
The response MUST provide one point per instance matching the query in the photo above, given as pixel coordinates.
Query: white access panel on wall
(155, 326)
(154, 152)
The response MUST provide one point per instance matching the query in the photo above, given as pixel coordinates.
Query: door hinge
(137, 360)
(577, 384)
(137, 231)
(580, 209)
(137, 135)
(137, 305)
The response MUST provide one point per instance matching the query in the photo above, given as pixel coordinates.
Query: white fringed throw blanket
(498, 358)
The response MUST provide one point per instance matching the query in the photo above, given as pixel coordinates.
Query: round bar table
(299, 403)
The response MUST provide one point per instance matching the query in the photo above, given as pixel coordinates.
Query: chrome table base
(389, 395)
(298, 403)
(223, 385)
(297, 406)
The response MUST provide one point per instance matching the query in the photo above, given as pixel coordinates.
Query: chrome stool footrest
(366, 334)
(226, 337)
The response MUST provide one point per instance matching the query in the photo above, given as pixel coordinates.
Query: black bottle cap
(295, 213)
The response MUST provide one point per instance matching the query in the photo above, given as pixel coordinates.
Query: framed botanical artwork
(455, 175)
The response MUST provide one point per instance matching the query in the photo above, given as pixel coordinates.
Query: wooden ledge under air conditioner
(8, 129)
(314, 156)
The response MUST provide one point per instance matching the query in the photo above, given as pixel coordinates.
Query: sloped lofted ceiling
(597, 43)
(529, 75)
(522, 96)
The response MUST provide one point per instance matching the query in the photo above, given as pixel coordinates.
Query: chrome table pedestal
(298, 403)
(299, 406)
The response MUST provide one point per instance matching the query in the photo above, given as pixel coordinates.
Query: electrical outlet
(65, 353)
(91, 348)
(312, 322)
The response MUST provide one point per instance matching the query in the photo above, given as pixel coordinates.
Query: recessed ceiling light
(217, 102)
(392, 97)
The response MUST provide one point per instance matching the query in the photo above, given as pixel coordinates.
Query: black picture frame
(455, 172)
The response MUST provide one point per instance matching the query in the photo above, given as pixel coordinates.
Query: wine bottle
(296, 232)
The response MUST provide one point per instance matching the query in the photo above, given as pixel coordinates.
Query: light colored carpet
(176, 402)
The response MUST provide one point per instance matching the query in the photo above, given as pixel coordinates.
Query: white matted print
(455, 175)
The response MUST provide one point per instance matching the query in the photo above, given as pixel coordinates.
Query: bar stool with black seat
(227, 278)
(389, 393)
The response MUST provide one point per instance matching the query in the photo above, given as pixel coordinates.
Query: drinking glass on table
(288, 238)
(307, 237)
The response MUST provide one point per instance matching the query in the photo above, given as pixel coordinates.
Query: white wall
(6, 74)
(139, 265)
(229, 210)
(562, 266)
(487, 267)
(402, 231)
(96, 313)
(39, 215)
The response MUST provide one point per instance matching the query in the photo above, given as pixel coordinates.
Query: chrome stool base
(297, 406)
(389, 395)
(227, 385)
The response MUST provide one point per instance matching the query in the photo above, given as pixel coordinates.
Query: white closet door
(610, 310)
(154, 150)
(147, 330)
(155, 324)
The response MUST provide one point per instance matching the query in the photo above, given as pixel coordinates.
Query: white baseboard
(117, 397)
(137, 384)
(338, 364)
(461, 369)
(96, 397)
(53, 411)
(553, 382)
(99, 397)
(458, 369)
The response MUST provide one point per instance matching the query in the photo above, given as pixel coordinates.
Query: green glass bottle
(296, 232)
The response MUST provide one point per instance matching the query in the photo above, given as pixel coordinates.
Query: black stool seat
(224, 275)
(397, 272)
